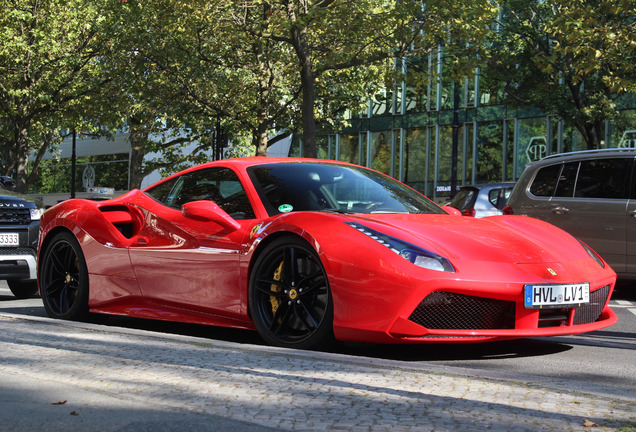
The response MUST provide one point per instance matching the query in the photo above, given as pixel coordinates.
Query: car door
(189, 263)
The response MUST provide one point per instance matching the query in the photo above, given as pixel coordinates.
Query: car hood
(14, 199)
(512, 239)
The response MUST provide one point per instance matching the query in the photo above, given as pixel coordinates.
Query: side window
(162, 191)
(604, 178)
(220, 185)
(567, 180)
(545, 181)
(499, 197)
(493, 197)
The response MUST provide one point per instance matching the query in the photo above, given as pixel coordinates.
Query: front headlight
(592, 254)
(414, 254)
(36, 213)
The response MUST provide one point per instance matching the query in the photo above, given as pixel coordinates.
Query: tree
(570, 58)
(49, 70)
(330, 38)
(209, 55)
(266, 66)
(263, 65)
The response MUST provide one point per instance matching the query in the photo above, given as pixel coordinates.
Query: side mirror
(452, 210)
(209, 211)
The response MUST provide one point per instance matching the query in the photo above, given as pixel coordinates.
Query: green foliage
(176, 72)
(572, 58)
(49, 69)
(241, 146)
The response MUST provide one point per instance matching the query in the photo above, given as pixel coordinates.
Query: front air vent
(590, 312)
(444, 310)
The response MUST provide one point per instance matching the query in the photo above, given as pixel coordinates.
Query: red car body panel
(196, 270)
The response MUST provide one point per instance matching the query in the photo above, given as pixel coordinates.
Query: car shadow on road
(449, 352)
(519, 348)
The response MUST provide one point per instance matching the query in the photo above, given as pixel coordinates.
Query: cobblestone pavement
(57, 375)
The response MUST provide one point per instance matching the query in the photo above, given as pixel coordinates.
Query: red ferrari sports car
(307, 251)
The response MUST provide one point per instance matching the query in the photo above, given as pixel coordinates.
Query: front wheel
(64, 278)
(289, 296)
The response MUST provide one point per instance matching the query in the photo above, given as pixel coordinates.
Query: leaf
(588, 423)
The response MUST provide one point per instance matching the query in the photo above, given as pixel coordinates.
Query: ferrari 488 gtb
(308, 251)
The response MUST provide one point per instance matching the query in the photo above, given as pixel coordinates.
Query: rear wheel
(23, 289)
(289, 296)
(64, 278)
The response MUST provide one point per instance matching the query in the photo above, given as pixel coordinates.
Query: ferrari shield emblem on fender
(254, 230)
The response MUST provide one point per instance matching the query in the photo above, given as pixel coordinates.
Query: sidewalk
(58, 375)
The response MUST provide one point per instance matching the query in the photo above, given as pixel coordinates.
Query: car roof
(264, 160)
(488, 185)
(246, 162)
(588, 154)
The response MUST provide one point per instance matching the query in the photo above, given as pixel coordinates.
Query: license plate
(554, 296)
(9, 239)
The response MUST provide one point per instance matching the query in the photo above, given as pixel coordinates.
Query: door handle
(632, 213)
(560, 210)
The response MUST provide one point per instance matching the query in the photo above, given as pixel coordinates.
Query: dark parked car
(7, 183)
(590, 194)
(19, 230)
(482, 200)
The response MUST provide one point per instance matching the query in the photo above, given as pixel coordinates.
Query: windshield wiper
(337, 211)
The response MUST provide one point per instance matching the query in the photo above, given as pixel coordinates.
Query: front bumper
(446, 319)
(450, 308)
(18, 263)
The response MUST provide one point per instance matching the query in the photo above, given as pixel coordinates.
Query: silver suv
(591, 195)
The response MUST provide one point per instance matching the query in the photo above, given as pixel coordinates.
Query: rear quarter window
(545, 181)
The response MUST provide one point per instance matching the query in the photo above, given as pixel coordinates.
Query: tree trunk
(591, 130)
(21, 158)
(138, 138)
(300, 41)
(309, 121)
(261, 138)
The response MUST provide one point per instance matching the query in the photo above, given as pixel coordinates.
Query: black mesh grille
(17, 251)
(15, 216)
(590, 312)
(443, 310)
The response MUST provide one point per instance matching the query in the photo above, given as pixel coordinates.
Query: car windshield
(285, 187)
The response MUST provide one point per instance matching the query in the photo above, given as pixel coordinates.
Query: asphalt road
(602, 358)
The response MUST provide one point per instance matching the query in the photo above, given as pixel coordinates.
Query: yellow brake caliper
(275, 301)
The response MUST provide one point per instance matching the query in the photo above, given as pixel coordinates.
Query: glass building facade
(407, 134)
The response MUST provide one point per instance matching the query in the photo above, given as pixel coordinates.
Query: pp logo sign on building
(628, 140)
(537, 148)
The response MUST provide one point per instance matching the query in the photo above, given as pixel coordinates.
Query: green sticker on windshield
(285, 208)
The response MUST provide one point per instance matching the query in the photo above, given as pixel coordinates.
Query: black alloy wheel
(64, 278)
(289, 296)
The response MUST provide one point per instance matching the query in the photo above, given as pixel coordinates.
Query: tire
(23, 289)
(289, 296)
(64, 278)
